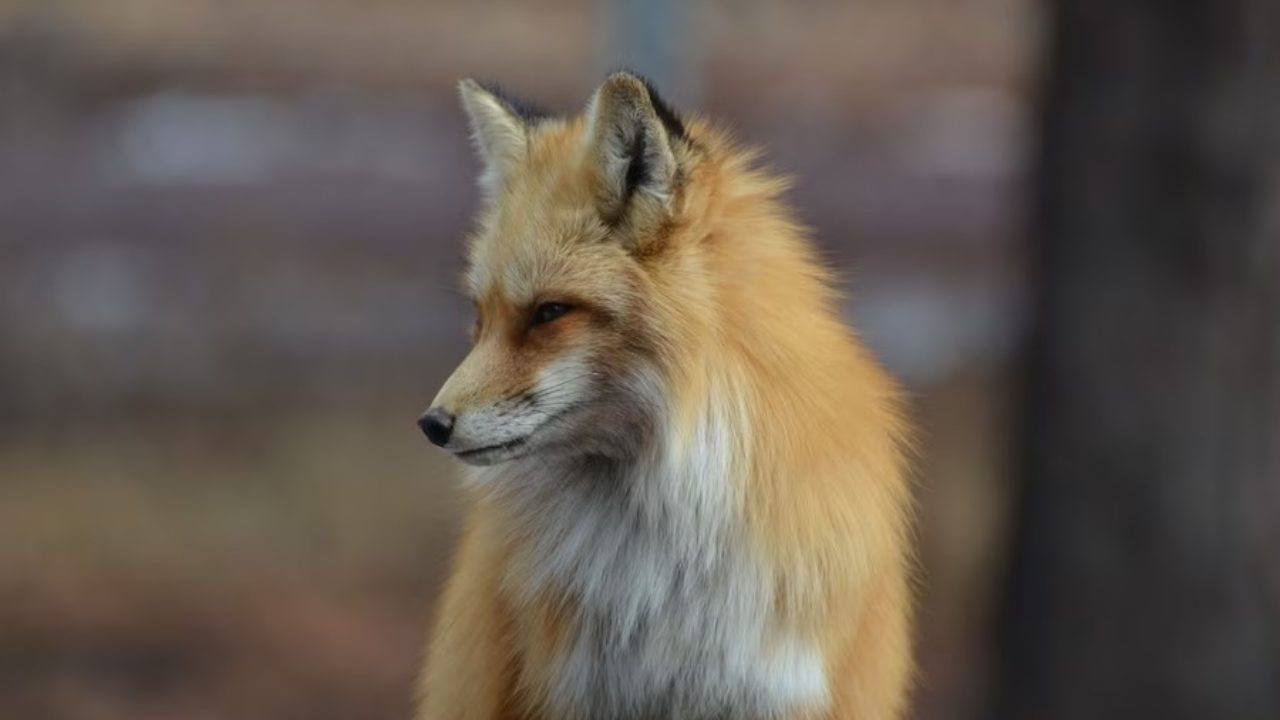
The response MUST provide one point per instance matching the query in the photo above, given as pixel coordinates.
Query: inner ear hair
(499, 129)
(633, 132)
(637, 167)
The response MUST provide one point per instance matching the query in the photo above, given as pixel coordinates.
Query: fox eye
(547, 312)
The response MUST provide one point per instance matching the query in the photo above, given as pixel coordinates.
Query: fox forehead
(542, 214)
(527, 254)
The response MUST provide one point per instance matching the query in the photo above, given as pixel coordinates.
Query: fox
(686, 478)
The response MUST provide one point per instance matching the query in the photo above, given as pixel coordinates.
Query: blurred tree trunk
(1145, 579)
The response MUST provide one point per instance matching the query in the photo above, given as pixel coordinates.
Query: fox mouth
(493, 454)
(510, 449)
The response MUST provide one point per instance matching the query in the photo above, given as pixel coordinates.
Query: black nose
(437, 425)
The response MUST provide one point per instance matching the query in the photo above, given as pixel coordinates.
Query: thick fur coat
(687, 483)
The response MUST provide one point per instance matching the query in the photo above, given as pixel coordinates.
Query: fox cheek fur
(689, 495)
(576, 387)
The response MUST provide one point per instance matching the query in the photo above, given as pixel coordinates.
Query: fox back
(686, 474)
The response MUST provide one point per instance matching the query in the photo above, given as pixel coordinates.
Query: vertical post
(1145, 580)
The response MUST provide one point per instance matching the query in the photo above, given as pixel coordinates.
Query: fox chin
(687, 479)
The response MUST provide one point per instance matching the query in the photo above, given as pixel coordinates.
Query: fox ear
(630, 135)
(499, 130)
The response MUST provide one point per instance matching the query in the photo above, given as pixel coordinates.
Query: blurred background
(229, 237)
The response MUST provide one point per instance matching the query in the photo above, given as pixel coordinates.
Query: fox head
(570, 271)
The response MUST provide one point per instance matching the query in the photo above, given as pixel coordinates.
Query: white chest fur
(674, 607)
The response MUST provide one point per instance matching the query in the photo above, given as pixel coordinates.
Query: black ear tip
(523, 109)
(671, 120)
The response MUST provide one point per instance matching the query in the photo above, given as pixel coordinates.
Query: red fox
(687, 477)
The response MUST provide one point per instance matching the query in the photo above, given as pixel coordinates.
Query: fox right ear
(499, 130)
(630, 140)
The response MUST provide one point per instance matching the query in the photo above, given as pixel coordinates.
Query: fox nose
(437, 425)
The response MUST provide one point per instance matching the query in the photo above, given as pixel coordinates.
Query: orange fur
(718, 288)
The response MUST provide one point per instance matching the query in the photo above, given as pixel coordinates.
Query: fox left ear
(499, 129)
(631, 134)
